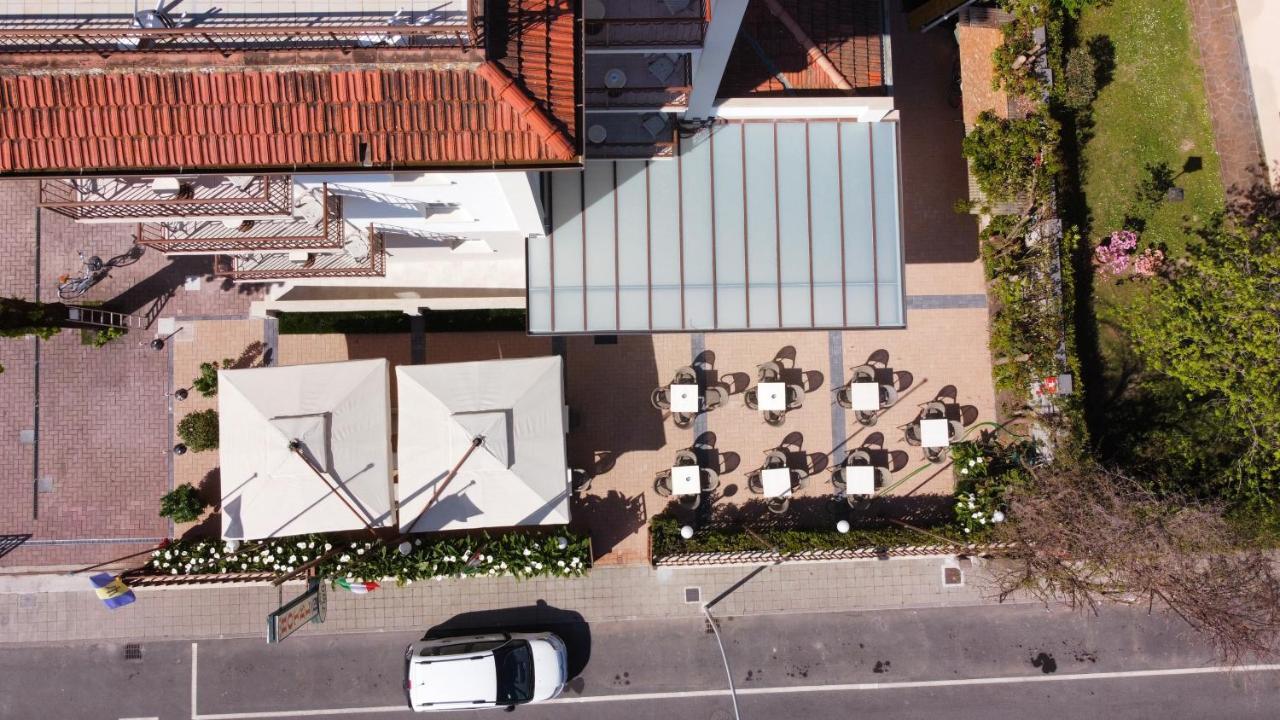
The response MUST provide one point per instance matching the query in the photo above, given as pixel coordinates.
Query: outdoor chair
(581, 480)
(935, 454)
(661, 398)
(858, 457)
(954, 429)
(775, 459)
(752, 398)
(682, 420)
(842, 397)
(685, 376)
(837, 479)
(863, 373)
(689, 502)
(867, 418)
(775, 417)
(799, 479)
(769, 372)
(933, 409)
(710, 480)
(912, 433)
(686, 457)
(795, 397)
(755, 482)
(715, 396)
(779, 505)
(888, 396)
(662, 483)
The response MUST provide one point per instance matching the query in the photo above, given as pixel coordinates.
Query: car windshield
(515, 672)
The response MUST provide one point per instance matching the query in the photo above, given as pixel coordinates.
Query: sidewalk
(52, 610)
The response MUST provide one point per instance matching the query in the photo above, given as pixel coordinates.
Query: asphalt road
(988, 662)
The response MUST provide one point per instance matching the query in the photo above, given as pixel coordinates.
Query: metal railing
(281, 267)
(261, 235)
(647, 32)
(120, 199)
(653, 98)
(227, 40)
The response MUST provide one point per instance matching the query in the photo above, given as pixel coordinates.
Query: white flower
(345, 558)
(966, 529)
(155, 553)
(502, 566)
(293, 558)
(167, 554)
(360, 551)
(408, 582)
(527, 552)
(490, 558)
(355, 544)
(368, 545)
(173, 571)
(417, 542)
(964, 471)
(439, 577)
(327, 547)
(302, 544)
(560, 563)
(538, 565)
(244, 566)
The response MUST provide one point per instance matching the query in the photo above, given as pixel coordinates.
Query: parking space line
(194, 715)
(777, 690)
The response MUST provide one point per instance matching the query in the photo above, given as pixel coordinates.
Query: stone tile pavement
(65, 609)
(1232, 112)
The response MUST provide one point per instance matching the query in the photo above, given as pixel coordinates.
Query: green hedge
(664, 533)
(521, 554)
(348, 323)
(498, 320)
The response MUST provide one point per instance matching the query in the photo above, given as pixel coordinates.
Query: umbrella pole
(296, 447)
(475, 443)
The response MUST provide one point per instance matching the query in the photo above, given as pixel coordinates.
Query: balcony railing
(635, 98)
(291, 266)
(137, 198)
(228, 40)
(250, 235)
(676, 32)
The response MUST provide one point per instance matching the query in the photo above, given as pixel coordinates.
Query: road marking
(141, 718)
(781, 690)
(193, 681)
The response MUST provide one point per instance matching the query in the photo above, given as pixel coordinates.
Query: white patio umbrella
(305, 448)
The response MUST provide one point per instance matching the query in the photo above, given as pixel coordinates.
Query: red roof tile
(847, 32)
(542, 57)
(279, 119)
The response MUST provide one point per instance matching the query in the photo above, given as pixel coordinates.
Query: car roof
(453, 679)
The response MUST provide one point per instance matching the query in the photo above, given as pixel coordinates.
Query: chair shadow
(968, 415)
(705, 361)
(728, 462)
(816, 462)
(902, 380)
(705, 441)
(873, 441)
(947, 393)
(793, 440)
(614, 517)
(604, 461)
(879, 357)
(786, 356)
(884, 376)
(898, 460)
(735, 383)
(729, 490)
(811, 380)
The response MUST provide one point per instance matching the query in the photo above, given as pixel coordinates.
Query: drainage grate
(692, 594)
(132, 651)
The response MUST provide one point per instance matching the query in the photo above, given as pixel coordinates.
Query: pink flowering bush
(1149, 263)
(1114, 255)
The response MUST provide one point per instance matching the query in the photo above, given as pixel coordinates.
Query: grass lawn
(1152, 111)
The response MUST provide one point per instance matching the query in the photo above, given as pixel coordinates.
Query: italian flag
(356, 586)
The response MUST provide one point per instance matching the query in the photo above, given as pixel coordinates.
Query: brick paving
(103, 432)
(1232, 112)
(62, 613)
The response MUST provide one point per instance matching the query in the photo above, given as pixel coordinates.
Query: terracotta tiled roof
(540, 54)
(279, 119)
(848, 32)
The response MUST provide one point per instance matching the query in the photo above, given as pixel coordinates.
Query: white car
(485, 671)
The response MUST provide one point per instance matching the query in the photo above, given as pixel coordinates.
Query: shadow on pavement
(541, 617)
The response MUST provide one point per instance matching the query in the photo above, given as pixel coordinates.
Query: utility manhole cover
(692, 594)
(133, 651)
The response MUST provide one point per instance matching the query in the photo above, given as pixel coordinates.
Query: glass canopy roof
(753, 225)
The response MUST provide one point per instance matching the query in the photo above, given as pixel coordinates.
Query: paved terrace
(92, 428)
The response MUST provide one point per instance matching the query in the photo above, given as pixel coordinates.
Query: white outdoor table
(772, 396)
(864, 396)
(776, 481)
(684, 480)
(935, 432)
(859, 480)
(684, 398)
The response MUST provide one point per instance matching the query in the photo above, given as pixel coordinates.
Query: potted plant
(199, 430)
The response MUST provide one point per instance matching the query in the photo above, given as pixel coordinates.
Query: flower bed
(666, 543)
(519, 554)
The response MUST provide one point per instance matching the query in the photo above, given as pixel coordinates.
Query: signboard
(307, 607)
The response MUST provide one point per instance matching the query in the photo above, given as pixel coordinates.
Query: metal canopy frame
(754, 225)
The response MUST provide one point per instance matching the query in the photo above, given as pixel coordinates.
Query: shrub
(99, 338)
(1080, 83)
(206, 383)
(182, 504)
(199, 430)
(1008, 155)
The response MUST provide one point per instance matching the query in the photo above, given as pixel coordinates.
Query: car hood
(549, 663)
